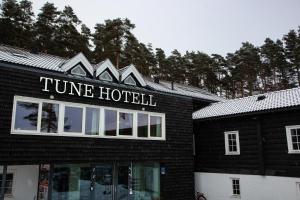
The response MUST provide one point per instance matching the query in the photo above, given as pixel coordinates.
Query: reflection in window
(142, 125)
(49, 118)
(26, 116)
(155, 126)
(71, 182)
(8, 183)
(44, 175)
(110, 123)
(146, 181)
(73, 119)
(125, 123)
(92, 121)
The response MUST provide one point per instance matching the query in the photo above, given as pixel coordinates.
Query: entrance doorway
(118, 181)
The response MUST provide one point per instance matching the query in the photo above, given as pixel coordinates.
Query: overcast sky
(211, 26)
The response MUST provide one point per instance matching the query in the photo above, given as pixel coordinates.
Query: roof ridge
(266, 93)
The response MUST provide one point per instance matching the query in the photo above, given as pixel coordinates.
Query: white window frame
(227, 152)
(149, 125)
(61, 132)
(74, 105)
(289, 138)
(232, 189)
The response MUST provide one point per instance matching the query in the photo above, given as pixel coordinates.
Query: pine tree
(274, 68)
(292, 51)
(16, 23)
(162, 63)
(109, 39)
(67, 37)
(45, 28)
(177, 67)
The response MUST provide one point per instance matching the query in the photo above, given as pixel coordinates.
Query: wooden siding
(175, 153)
(263, 145)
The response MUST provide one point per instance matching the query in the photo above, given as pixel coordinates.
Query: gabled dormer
(106, 71)
(78, 66)
(130, 76)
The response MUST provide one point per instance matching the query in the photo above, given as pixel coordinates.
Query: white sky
(211, 26)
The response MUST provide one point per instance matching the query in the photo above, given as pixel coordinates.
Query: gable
(132, 71)
(107, 66)
(73, 62)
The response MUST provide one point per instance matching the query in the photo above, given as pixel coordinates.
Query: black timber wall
(263, 144)
(175, 153)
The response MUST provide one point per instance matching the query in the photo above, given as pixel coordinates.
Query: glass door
(123, 184)
(102, 187)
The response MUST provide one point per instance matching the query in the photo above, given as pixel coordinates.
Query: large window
(26, 116)
(232, 143)
(92, 121)
(143, 125)
(125, 123)
(56, 118)
(50, 112)
(155, 126)
(110, 122)
(293, 138)
(73, 119)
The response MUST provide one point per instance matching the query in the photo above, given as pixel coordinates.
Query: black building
(70, 130)
(249, 148)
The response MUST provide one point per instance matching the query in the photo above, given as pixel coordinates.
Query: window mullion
(61, 117)
(39, 118)
(83, 120)
(134, 125)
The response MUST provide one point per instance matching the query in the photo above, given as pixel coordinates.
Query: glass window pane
(146, 181)
(125, 123)
(26, 116)
(155, 126)
(92, 121)
(50, 114)
(73, 119)
(110, 123)
(44, 175)
(71, 182)
(142, 125)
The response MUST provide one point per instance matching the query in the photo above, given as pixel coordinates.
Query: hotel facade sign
(91, 91)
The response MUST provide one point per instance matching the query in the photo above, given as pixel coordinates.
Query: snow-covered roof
(185, 90)
(252, 104)
(55, 63)
(23, 57)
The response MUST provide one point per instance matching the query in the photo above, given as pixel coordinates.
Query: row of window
(37, 116)
(232, 143)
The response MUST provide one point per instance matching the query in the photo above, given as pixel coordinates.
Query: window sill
(236, 196)
(294, 152)
(86, 136)
(232, 154)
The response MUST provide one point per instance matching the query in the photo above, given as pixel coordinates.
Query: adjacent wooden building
(249, 148)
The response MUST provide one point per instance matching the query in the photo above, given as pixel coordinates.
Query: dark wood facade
(175, 154)
(263, 144)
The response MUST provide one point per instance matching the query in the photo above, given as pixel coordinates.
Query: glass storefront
(119, 181)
